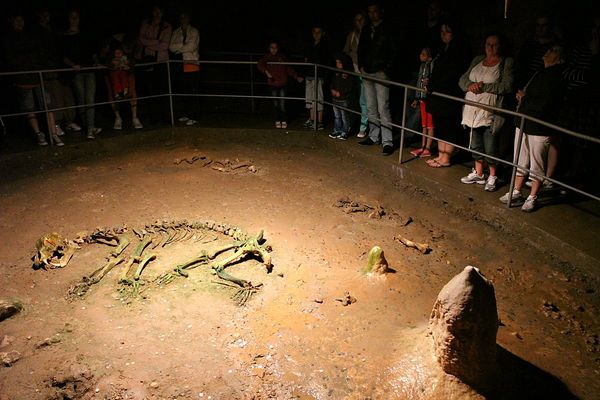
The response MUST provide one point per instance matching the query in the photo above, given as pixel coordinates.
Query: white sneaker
(183, 119)
(283, 125)
(277, 124)
(516, 196)
(190, 122)
(92, 132)
(118, 124)
(137, 123)
(490, 184)
(361, 134)
(529, 204)
(73, 127)
(59, 131)
(473, 178)
(57, 141)
(41, 139)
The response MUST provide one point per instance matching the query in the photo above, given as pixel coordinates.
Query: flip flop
(437, 164)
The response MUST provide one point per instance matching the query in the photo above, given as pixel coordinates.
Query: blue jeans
(341, 118)
(484, 141)
(279, 103)
(84, 84)
(364, 117)
(378, 109)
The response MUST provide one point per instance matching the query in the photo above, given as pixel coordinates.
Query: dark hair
(502, 41)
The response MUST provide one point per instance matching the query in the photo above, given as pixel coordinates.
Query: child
(342, 86)
(277, 79)
(119, 74)
(426, 119)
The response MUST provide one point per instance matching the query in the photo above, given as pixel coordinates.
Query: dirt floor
(294, 338)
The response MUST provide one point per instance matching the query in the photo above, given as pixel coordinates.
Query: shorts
(30, 99)
(426, 118)
(310, 94)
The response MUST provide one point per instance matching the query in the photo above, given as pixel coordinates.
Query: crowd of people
(545, 80)
(32, 44)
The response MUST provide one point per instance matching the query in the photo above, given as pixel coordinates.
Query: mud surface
(296, 338)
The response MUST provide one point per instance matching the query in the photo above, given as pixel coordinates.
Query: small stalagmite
(376, 264)
(464, 324)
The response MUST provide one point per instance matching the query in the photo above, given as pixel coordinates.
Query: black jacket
(376, 49)
(542, 99)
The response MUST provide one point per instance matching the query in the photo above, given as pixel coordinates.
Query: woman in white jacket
(184, 45)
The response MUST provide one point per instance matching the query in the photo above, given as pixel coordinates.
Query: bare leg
(479, 167)
(33, 123)
(429, 139)
(552, 160)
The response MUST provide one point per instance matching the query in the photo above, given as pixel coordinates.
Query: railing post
(315, 102)
(402, 126)
(170, 92)
(50, 127)
(252, 85)
(515, 161)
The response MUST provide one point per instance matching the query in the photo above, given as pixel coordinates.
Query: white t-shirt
(475, 117)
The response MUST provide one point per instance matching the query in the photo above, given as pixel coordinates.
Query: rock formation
(464, 323)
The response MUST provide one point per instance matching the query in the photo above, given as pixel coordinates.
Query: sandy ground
(292, 340)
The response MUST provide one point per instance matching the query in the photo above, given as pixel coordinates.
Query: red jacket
(279, 73)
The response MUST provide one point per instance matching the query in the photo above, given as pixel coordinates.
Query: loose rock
(9, 358)
(9, 308)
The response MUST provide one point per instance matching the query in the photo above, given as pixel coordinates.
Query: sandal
(417, 152)
(437, 164)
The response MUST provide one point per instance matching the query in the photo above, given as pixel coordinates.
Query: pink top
(155, 39)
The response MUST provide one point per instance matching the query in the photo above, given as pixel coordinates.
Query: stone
(154, 385)
(6, 341)
(464, 324)
(376, 263)
(9, 358)
(9, 308)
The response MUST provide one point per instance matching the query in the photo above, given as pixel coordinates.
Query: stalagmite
(464, 323)
(376, 264)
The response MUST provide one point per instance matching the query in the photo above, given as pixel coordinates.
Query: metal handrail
(316, 100)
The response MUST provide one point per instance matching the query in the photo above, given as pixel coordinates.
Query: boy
(342, 86)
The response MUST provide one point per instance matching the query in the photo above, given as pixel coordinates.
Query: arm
(262, 65)
(192, 43)
(347, 44)
(176, 44)
(145, 39)
(505, 85)
(165, 38)
(464, 82)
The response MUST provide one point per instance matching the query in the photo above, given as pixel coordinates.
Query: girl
(426, 118)
(277, 79)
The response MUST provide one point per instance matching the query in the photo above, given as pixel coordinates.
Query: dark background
(246, 26)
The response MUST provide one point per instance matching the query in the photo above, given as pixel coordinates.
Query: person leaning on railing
(487, 81)
(541, 99)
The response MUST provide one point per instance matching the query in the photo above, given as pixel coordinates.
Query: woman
(449, 65)
(78, 51)
(487, 81)
(351, 49)
(154, 39)
(541, 99)
(184, 44)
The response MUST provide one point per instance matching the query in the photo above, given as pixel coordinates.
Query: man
(375, 55)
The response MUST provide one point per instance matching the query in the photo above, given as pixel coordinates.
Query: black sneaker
(387, 150)
(343, 136)
(334, 135)
(320, 126)
(367, 142)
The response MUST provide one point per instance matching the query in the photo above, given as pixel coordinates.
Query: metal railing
(315, 101)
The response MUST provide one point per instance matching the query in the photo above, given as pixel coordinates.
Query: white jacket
(189, 48)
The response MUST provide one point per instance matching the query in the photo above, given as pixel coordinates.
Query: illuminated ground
(292, 340)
